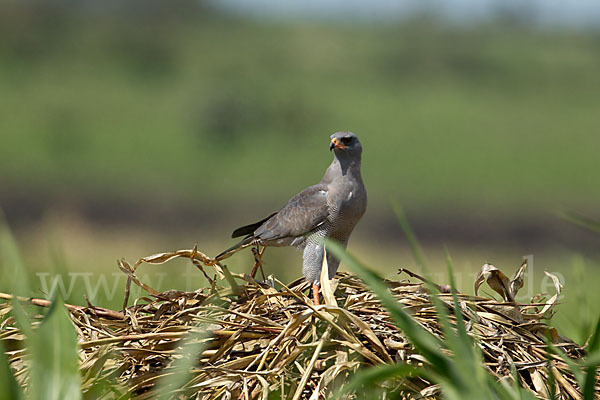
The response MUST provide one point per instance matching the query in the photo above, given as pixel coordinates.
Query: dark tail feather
(235, 248)
(249, 229)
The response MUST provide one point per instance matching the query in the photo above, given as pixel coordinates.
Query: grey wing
(302, 214)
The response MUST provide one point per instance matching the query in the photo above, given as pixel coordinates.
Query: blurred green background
(135, 128)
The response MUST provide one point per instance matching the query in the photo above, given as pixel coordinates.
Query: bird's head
(345, 143)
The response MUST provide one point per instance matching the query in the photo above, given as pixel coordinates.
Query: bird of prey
(327, 210)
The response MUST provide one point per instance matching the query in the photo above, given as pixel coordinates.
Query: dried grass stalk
(266, 339)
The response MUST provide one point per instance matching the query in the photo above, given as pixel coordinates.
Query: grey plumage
(329, 209)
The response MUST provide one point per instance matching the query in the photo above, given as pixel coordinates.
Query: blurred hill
(180, 116)
(574, 14)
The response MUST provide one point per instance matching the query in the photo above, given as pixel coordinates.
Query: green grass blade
(505, 391)
(9, 388)
(467, 355)
(420, 258)
(573, 367)
(460, 322)
(410, 235)
(590, 376)
(516, 391)
(455, 375)
(54, 373)
(551, 378)
(12, 265)
(427, 344)
(368, 377)
(13, 268)
(180, 373)
(592, 360)
(466, 364)
(580, 220)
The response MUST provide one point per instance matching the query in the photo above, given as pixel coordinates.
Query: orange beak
(335, 144)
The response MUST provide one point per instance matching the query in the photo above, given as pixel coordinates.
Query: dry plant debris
(248, 339)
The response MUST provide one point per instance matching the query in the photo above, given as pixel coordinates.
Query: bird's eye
(347, 140)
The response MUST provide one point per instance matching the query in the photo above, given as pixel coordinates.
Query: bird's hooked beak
(336, 144)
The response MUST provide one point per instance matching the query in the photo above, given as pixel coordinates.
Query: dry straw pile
(247, 339)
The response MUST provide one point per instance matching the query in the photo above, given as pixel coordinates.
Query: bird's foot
(267, 283)
(258, 262)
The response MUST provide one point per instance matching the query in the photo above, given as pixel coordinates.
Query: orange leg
(258, 261)
(315, 290)
(262, 272)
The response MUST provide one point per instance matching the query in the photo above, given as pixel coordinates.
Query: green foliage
(368, 380)
(590, 373)
(454, 362)
(500, 118)
(461, 375)
(9, 389)
(54, 373)
(180, 374)
(410, 236)
(52, 347)
(11, 263)
(581, 220)
(53, 358)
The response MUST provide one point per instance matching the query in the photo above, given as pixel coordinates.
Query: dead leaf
(326, 288)
(552, 301)
(517, 281)
(495, 279)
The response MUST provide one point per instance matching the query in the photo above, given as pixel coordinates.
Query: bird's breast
(347, 207)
